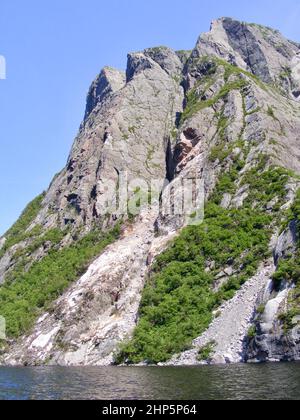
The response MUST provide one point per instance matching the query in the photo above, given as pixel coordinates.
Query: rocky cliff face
(226, 115)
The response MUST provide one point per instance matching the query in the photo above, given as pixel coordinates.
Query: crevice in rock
(71, 165)
(170, 164)
(94, 193)
(74, 201)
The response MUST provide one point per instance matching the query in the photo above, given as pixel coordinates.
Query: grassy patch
(194, 104)
(205, 352)
(270, 112)
(286, 73)
(219, 152)
(53, 236)
(17, 232)
(252, 332)
(234, 70)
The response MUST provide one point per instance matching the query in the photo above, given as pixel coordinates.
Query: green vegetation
(195, 104)
(174, 133)
(150, 153)
(227, 181)
(194, 101)
(286, 73)
(219, 152)
(27, 294)
(252, 332)
(270, 112)
(234, 70)
(178, 300)
(157, 50)
(205, 352)
(288, 270)
(223, 123)
(288, 318)
(132, 129)
(261, 309)
(17, 232)
(254, 111)
(52, 236)
(264, 185)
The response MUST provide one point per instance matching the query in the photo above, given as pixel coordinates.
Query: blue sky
(55, 48)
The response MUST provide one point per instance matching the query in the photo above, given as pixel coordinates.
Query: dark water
(270, 381)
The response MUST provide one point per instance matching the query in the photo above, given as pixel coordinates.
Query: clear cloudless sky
(55, 48)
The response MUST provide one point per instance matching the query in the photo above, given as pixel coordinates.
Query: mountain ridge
(227, 114)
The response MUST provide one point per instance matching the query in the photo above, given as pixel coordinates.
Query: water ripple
(238, 382)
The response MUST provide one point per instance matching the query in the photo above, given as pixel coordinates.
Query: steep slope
(225, 337)
(226, 116)
(123, 138)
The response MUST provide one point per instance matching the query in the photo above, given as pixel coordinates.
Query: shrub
(261, 309)
(194, 104)
(252, 332)
(205, 352)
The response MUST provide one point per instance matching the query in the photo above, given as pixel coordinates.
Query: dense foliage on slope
(27, 294)
(17, 232)
(179, 299)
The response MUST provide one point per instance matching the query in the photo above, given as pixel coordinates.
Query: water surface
(268, 381)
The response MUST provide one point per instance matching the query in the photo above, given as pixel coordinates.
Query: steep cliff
(88, 272)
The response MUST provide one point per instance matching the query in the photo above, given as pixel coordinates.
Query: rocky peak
(136, 63)
(166, 58)
(255, 48)
(107, 82)
(236, 122)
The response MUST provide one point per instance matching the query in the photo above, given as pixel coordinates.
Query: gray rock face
(271, 342)
(108, 82)
(287, 242)
(2, 243)
(164, 120)
(126, 131)
(137, 63)
(260, 50)
(167, 59)
(276, 348)
(4, 265)
(247, 46)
